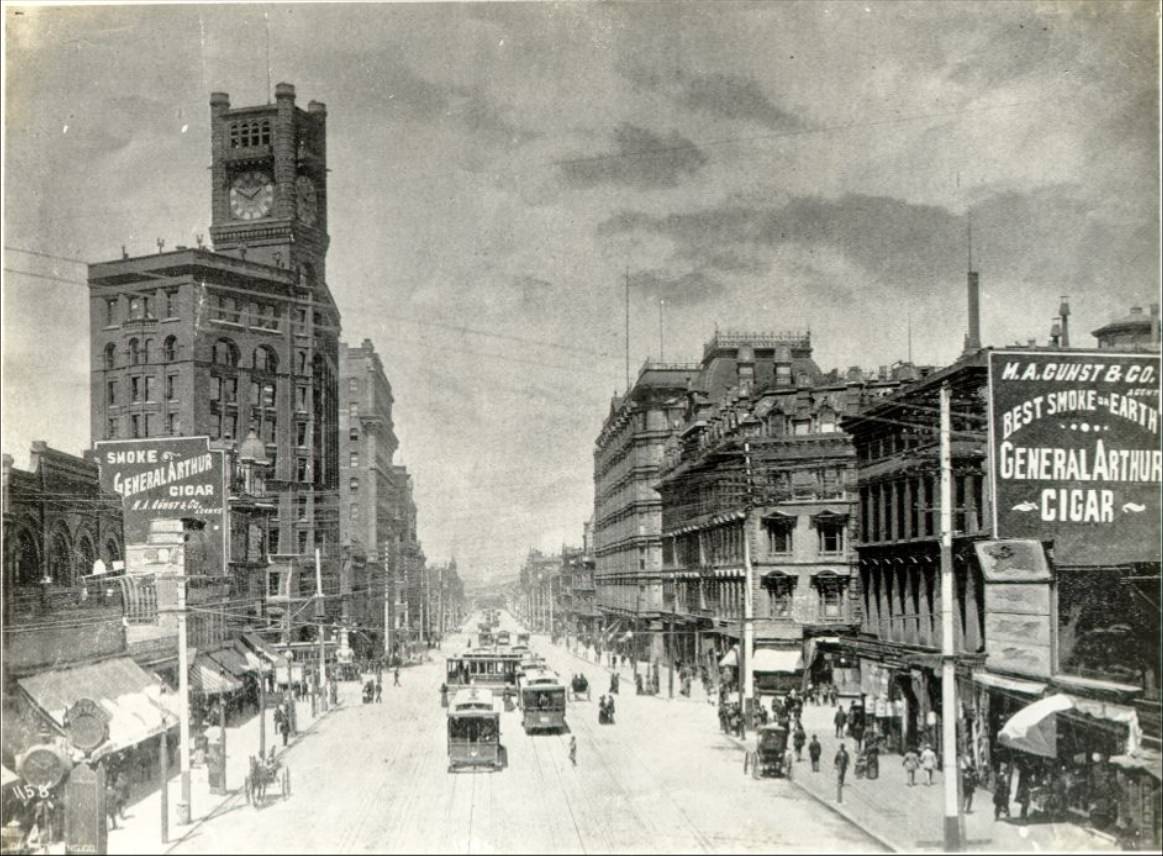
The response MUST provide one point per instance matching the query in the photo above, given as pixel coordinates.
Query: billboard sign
(169, 478)
(1074, 452)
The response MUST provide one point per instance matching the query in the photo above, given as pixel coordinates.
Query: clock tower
(269, 179)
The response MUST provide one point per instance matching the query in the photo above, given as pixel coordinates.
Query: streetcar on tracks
(483, 667)
(543, 706)
(474, 731)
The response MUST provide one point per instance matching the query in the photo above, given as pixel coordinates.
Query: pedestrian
(968, 783)
(573, 750)
(1023, 793)
(1001, 793)
(798, 741)
(285, 728)
(911, 762)
(379, 691)
(840, 719)
(841, 765)
(928, 763)
(121, 785)
(396, 677)
(814, 750)
(111, 803)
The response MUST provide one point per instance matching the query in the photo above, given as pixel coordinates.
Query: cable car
(543, 706)
(474, 731)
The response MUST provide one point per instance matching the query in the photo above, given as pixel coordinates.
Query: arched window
(225, 353)
(146, 347)
(112, 551)
(265, 359)
(27, 559)
(170, 349)
(110, 356)
(86, 554)
(134, 352)
(60, 557)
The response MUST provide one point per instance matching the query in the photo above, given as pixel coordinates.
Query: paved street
(374, 777)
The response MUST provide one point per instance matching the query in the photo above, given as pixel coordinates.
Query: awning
(207, 677)
(1034, 728)
(789, 660)
(1145, 759)
(133, 701)
(254, 663)
(731, 658)
(1013, 685)
(256, 644)
(230, 660)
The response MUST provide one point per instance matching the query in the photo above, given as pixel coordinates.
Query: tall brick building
(242, 337)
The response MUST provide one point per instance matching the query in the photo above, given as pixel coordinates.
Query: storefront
(777, 671)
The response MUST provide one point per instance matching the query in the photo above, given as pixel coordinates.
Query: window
(225, 353)
(173, 424)
(230, 425)
(354, 484)
(301, 399)
(354, 512)
(265, 360)
(353, 411)
(301, 362)
(802, 427)
(273, 540)
(215, 388)
(303, 542)
(111, 392)
(134, 352)
(831, 601)
(249, 133)
(353, 434)
(230, 390)
(135, 426)
(268, 395)
(300, 433)
(272, 456)
(302, 500)
(779, 534)
(265, 316)
(135, 309)
(135, 390)
(111, 312)
(354, 459)
(147, 425)
(150, 387)
(827, 422)
(170, 349)
(301, 470)
(780, 588)
(353, 386)
(831, 536)
(269, 429)
(111, 428)
(171, 303)
(301, 329)
(110, 356)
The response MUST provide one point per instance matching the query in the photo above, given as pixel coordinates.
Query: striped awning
(208, 678)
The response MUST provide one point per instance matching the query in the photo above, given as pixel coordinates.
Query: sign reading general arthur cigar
(168, 478)
(1075, 452)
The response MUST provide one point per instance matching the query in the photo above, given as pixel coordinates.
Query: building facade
(761, 472)
(368, 516)
(242, 337)
(627, 522)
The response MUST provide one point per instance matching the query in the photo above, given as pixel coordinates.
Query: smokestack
(973, 340)
(1064, 314)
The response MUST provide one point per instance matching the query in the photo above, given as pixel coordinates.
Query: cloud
(679, 289)
(641, 159)
(724, 96)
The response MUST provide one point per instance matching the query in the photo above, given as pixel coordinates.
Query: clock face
(308, 202)
(251, 195)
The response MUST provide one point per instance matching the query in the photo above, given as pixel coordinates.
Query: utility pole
(184, 706)
(163, 759)
(950, 770)
(319, 616)
(673, 616)
(747, 643)
(440, 604)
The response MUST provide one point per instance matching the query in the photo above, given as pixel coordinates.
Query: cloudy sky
(497, 168)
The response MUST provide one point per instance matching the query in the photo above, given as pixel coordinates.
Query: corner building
(243, 337)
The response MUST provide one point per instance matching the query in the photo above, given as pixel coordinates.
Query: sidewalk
(140, 832)
(911, 818)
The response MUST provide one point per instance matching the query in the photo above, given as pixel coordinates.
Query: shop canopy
(788, 661)
(209, 678)
(133, 701)
(1012, 685)
(1034, 728)
(731, 658)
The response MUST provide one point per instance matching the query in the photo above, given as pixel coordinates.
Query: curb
(233, 795)
(832, 807)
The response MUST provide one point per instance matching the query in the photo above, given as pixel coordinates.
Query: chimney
(1064, 314)
(973, 339)
(1055, 333)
